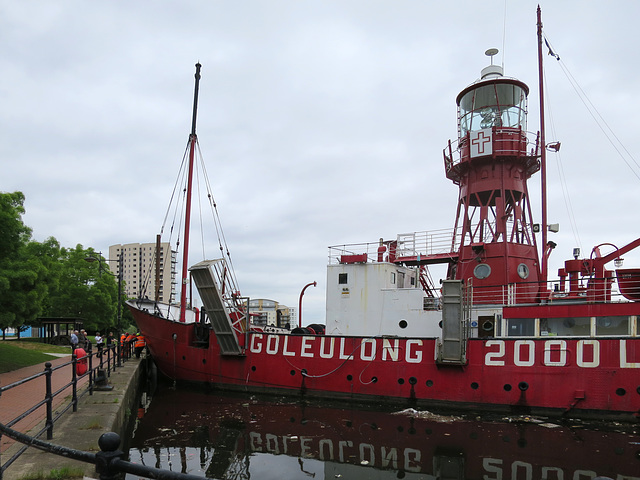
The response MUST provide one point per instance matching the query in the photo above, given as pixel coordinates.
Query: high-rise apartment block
(139, 269)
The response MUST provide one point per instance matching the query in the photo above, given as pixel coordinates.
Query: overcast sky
(321, 122)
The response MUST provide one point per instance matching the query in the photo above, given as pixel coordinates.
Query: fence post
(74, 381)
(1, 469)
(108, 443)
(109, 360)
(90, 355)
(49, 398)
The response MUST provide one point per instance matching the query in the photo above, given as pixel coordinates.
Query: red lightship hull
(581, 377)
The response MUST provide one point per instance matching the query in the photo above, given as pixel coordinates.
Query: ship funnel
(492, 70)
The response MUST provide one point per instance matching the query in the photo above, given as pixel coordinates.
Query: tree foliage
(85, 289)
(22, 275)
(45, 279)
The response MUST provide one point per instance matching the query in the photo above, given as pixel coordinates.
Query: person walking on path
(74, 340)
(82, 340)
(99, 343)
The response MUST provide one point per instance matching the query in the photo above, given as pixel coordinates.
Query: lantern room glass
(493, 105)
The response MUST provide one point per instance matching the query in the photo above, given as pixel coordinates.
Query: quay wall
(102, 412)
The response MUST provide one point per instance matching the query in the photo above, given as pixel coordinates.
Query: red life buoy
(81, 364)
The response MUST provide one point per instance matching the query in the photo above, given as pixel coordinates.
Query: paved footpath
(15, 401)
(99, 413)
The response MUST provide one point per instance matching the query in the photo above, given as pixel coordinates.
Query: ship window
(612, 326)
(521, 327)
(342, 279)
(393, 278)
(523, 271)
(482, 270)
(568, 326)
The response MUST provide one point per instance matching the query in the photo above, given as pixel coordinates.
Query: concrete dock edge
(104, 411)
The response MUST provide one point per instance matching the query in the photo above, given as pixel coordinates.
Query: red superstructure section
(491, 163)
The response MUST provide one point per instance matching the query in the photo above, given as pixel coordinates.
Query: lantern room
(494, 102)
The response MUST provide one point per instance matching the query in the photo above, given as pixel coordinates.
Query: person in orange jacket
(127, 343)
(140, 344)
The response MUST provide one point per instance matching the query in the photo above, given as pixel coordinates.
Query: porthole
(413, 380)
(482, 271)
(523, 271)
(474, 385)
(349, 377)
(507, 388)
(429, 383)
(621, 392)
(403, 324)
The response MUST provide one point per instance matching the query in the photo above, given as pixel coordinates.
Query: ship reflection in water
(239, 437)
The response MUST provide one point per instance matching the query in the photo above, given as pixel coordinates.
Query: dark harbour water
(264, 438)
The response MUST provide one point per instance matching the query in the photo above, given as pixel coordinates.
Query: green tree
(84, 289)
(24, 272)
(44, 279)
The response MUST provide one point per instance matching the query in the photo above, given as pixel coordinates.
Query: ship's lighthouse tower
(491, 162)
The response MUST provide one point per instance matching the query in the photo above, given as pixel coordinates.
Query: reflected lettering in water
(236, 437)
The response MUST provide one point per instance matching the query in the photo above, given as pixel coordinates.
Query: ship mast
(543, 161)
(193, 138)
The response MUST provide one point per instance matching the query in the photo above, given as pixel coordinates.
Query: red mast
(543, 160)
(193, 138)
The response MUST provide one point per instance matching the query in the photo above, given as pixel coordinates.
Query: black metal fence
(96, 367)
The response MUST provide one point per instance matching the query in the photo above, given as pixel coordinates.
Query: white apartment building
(139, 269)
(269, 312)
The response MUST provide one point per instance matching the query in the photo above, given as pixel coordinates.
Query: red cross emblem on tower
(481, 142)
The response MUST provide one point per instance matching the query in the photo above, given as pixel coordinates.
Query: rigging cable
(218, 225)
(504, 34)
(561, 174)
(593, 111)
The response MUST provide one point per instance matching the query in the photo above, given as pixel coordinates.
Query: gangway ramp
(209, 277)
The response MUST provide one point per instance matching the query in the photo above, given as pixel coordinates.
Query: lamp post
(100, 259)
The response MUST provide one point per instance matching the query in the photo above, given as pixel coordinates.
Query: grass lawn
(16, 354)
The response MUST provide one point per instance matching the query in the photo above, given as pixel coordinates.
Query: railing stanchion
(108, 443)
(74, 382)
(109, 360)
(49, 398)
(90, 355)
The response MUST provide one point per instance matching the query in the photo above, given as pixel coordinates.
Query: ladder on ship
(452, 349)
(210, 279)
